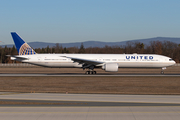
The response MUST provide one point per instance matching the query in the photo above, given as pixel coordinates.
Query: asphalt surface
(45, 103)
(90, 113)
(45, 106)
(169, 99)
(84, 75)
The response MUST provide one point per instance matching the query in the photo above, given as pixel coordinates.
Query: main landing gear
(162, 70)
(90, 72)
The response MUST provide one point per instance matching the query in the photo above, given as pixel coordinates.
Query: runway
(168, 99)
(90, 113)
(84, 75)
(45, 106)
(46, 103)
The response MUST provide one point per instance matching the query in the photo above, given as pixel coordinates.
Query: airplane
(107, 62)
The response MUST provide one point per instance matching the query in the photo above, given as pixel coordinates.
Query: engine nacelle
(110, 67)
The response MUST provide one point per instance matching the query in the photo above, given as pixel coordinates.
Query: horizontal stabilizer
(14, 57)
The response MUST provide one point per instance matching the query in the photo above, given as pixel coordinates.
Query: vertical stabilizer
(22, 47)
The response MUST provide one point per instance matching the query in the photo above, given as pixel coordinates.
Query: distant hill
(100, 44)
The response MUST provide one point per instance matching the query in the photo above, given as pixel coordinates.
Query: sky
(66, 21)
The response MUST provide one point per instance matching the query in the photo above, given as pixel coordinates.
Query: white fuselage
(123, 60)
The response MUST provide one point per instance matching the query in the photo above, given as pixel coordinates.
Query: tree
(82, 49)
(128, 48)
(139, 48)
(57, 48)
(48, 49)
(65, 50)
(156, 47)
(14, 51)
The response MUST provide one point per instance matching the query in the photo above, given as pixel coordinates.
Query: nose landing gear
(162, 70)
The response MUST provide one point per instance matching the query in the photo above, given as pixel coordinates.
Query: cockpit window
(170, 59)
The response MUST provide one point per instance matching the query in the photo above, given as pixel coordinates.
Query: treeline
(166, 48)
(7, 51)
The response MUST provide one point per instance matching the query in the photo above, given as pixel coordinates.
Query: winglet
(22, 47)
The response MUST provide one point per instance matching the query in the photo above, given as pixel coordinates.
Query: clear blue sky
(64, 21)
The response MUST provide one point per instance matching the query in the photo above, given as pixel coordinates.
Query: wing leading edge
(85, 62)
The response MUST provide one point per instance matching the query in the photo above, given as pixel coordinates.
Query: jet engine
(110, 67)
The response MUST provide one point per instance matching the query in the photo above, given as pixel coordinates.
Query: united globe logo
(26, 50)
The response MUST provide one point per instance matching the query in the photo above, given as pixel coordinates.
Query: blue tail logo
(22, 47)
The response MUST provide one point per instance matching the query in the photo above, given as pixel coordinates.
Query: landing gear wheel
(87, 72)
(90, 72)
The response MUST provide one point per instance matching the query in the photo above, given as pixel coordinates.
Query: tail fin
(22, 47)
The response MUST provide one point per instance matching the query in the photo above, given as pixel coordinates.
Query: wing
(86, 62)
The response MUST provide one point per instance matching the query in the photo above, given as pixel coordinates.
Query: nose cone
(173, 63)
